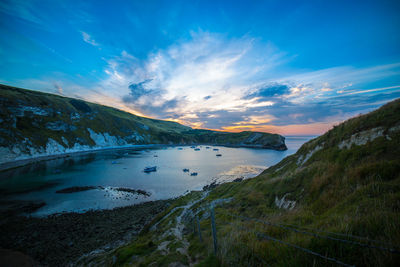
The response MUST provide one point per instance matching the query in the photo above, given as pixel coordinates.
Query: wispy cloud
(88, 39)
(235, 84)
(213, 82)
(207, 72)
(20, 9)
(355, 92)
(58, 88)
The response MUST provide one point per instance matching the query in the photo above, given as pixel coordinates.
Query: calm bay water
(124, 168)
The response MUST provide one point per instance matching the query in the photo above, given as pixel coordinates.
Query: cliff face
(39, 124)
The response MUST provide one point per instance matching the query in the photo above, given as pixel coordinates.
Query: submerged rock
(74, 189)
(133, 191)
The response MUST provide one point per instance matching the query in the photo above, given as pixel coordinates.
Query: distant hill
(37, 124)
(337, 197)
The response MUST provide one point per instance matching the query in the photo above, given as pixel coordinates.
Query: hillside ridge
(344, 184)
(36, 124)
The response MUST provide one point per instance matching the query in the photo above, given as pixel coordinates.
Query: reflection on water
(239, 171)
(108, 170)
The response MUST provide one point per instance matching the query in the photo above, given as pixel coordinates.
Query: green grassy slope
(30, 118)
(330, 184)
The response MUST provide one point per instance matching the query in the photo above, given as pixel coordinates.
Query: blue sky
(292, 67)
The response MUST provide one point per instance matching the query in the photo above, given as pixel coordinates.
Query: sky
(288, 67)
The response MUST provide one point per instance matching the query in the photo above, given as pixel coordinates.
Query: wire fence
(297, 229)
(343, 235)
(392, 250)
(267, 237)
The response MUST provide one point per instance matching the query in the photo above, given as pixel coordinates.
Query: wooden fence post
(214, 230)
(198, 228)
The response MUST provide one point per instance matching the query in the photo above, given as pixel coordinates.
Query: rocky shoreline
(60, 240)
(22, 162)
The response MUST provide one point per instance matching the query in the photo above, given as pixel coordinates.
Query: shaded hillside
(338, 197)
(35, 124)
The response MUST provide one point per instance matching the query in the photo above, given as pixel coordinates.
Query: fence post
(198, 228)
(214, 230)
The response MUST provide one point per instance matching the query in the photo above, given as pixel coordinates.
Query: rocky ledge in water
(132, 191)
(74, 189)
(59, 240)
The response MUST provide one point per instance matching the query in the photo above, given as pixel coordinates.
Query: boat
(193, 174)
(215, 149)
(155, 156)
(192, 147)
(185, 170)
(207, 147)
(179, 148)
(218, 155)
(197, 149)
(150, 169)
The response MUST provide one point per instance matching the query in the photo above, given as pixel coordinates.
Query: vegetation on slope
(29, 119)
(346, 181)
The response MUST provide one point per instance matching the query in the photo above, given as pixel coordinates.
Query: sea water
(113, 169)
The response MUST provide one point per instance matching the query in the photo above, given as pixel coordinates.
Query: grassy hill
(35, 123)
(342, 185)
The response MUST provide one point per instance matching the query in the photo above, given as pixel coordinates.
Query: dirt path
(177, 230)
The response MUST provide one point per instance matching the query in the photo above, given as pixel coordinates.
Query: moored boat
(150, 169)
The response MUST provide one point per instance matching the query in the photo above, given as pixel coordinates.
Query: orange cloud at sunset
(294, 129)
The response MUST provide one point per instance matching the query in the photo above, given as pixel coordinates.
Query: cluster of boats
(207, 147)
(154, 168)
